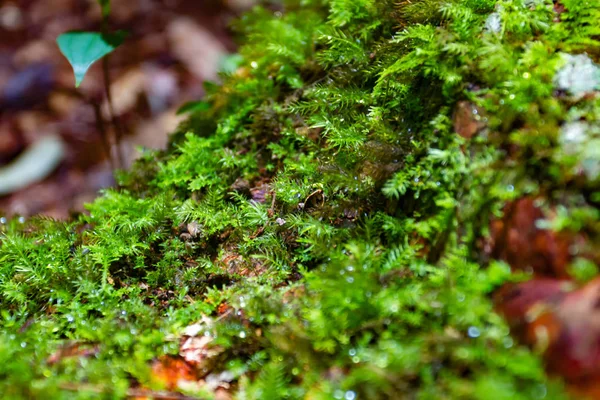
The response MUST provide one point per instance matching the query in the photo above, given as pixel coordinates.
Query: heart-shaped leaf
(82, 49)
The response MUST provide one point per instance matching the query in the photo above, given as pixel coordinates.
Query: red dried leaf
(517, 240)
(515, 300)
(467, 119)
(170, 371)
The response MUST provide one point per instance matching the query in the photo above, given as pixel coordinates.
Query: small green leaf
(193, 106)
(82, 49)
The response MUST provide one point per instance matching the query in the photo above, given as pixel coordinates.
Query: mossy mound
(317, 228)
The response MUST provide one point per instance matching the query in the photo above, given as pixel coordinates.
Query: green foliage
(82, 49)
(322, 193)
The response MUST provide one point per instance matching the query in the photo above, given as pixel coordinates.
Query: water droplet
(70, 318)
(350, 395)
(254, 64)
(508, 342)
(510, 188)
(23, 344)
(350, 268)
(21, 219)
(540, 392)
(350, 279)
(352, 352)
(338, 394)
(2, 220)
(473, 332)
(243, 334)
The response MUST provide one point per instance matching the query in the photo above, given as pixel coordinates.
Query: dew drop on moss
(473, 332)
(540, 392)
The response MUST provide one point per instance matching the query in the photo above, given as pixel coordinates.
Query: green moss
(357, 272)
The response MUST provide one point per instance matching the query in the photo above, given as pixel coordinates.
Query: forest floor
(172, 47)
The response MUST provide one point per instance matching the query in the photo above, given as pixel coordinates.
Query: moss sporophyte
(336, 220)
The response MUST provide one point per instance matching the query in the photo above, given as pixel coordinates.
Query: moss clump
(322, 218)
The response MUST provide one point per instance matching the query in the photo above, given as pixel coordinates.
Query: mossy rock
(317, 228)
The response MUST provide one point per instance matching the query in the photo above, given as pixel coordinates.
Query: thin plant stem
(111, 109)
(114, 120)
(103, 133)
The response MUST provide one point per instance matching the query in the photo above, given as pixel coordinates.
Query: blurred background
(172, 47)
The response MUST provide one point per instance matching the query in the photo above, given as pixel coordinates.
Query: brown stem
(103, 133)
(114, 120)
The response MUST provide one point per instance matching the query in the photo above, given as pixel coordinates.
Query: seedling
(82, 49)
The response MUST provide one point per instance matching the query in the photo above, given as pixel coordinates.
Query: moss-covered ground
(318, 227)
